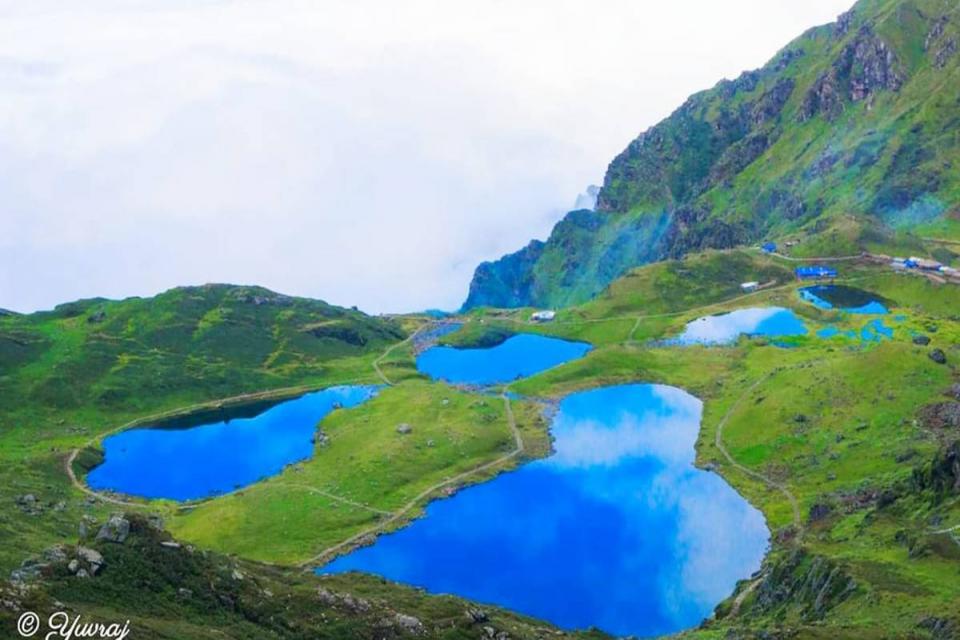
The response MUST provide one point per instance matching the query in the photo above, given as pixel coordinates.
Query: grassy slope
(190, 348)
(859, 436)
(64, 379)
(287, 519)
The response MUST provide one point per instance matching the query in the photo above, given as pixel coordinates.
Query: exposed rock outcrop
(866, 66)
(116, 529)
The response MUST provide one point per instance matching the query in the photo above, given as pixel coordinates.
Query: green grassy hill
(207, 341)
(846, 140)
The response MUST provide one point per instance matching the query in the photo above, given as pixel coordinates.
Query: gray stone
(938, 356)
(116, 529)
(409, 623)
(922, 340)
(404, 428)
(477, 615)
(92, 557)
(73, 566)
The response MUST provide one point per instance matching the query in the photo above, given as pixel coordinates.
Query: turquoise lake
(519, 356)
(218, 457)
(616, 529)
(843, 298)
(726, 328)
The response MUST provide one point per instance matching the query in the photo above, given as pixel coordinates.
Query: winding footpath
(779, 486)
(367, 534)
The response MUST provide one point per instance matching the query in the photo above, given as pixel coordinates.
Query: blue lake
(617, 529)
(727, 328)
(849, 299)
(517, 357)
(199, 461)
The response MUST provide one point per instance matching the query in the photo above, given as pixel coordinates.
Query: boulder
(921, 340)
(408, 623)
(404, 428)
(116, 529)
(938, 356)
(477, 616)
(92, 557)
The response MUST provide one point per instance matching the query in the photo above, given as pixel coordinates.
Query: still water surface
(617, 529)
(218, 457)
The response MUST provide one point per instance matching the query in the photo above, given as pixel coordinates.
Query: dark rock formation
(921, 340)
(942, 475)
(938, 356)
(865, 66)
(941, 415)
(116, 529)
(809, 584)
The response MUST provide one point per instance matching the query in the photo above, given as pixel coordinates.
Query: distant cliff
(850, 131)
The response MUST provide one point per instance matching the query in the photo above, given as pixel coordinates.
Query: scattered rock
(82, 573)
(170, 544)
(28, 503)
(238, 575)
(408, 623)
(404, 428)
(954, 391)
(477, 616)
(922, 340)
(431, 443)
(116, 529)
(938, 356)
(97, 317)
(73, 566)
(801, 418)
(30, 569)
(55, 554)
(92, 557)
(941, 415)
(354, 604)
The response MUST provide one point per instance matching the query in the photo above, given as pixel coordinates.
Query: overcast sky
(363, 152)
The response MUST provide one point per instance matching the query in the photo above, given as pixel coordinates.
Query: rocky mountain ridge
(845, 136)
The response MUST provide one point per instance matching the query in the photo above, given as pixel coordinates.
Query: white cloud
(363, 152)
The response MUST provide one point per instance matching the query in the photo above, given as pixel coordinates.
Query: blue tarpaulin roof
(769, 247)
(816, 271)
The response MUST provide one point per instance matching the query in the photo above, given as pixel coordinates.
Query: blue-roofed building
(816, 271)
(769, 247)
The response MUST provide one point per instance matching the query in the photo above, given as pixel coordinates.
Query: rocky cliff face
(853, 118)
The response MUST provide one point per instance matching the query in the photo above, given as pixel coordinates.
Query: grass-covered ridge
(841, 443)
(845, 141)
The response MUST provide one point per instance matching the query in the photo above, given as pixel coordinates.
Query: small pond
(849, 299)
(519, 356)
(616, 529)
(726, 328)
(221, 455)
